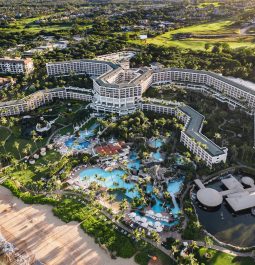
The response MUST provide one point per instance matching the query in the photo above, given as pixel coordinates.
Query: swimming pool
(82, 141)
(114, 179)
(156, 143)
(157, 156)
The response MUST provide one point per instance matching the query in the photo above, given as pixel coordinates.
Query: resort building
(40, 98)
(222, 88)
(191, 135)
(120, 58)
(119, 90)
(77, 67)
(239, 195)
(16, 66)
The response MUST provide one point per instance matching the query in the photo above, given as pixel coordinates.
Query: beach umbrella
(157, 224)
(133, 214)
(145, 225)
(150, 223)
(159, 229)
(137, 218)
(144, 219)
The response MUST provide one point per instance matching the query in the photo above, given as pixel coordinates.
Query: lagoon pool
(113, 180)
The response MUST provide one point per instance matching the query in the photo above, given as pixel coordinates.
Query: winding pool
(114, 179)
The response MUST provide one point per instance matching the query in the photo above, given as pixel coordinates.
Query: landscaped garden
(123, 187)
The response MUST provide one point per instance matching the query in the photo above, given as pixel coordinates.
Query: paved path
(174, 235)
(226, 130)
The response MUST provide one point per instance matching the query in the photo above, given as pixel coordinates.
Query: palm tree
(111, 198)
(217, 136)
(208, 241)
(155, 237)
(28, 147)
(39, 138)
(16, 145)
(2, 143)
(124, 205)
(174, 249)
(3, 120)
(34, 137)
(124, 178)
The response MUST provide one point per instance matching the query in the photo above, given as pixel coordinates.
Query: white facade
(119, 90)
(210, 153)
(40, 98)
(16, 66)
(89, 67)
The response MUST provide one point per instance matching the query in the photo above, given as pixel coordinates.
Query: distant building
(143, 37)
(16, 66)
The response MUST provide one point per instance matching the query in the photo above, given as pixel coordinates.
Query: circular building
(209, 197)
(247, 181)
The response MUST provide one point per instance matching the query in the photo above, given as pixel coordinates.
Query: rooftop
(194, 127)
(209, 197)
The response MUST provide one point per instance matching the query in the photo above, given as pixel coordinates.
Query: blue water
(82, 141)
(156, 143)
(157, 156)
(71, 143)
(134, 161)
(113, 179)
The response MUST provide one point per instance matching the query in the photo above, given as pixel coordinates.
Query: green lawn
(220, 258)
(36, 171)
(4, 133)
(57, 107)
(221, 27)
(27, 24)
(215, 4)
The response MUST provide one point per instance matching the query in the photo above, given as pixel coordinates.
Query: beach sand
(35, 229)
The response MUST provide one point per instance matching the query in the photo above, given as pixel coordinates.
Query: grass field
(220, 258)
(26, 24)
(215, 4)
(221, 27)
(4, 133)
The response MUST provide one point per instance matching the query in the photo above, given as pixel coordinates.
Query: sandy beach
(35, 229)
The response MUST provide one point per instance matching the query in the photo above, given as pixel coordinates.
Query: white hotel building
(40, 98)
(120, 91)
(16, 66)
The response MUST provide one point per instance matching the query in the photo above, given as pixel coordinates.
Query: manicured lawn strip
(221, 258)
(27, 25)
(221, 27)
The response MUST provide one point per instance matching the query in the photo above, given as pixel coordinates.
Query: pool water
(157, 156)
(113, 180)
(134, 161)
(82, 141)
(156, 143)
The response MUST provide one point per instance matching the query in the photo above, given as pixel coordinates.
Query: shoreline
(35, 229)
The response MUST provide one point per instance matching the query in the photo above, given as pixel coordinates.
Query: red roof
(109, 149)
